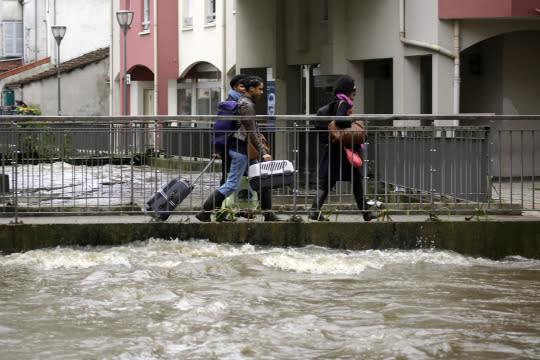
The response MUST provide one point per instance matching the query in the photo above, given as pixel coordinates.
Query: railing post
(432, 150)
(533, 166)
(365, 174)
(521, 169)
(489, 167)
(296, 161)
(14, 171)
(308, 153)
(156, 154)
(131, 160)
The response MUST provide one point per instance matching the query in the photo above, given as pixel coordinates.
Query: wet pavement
(127, 219)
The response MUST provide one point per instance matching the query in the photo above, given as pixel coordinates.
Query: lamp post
(125, 17)
(58, 33)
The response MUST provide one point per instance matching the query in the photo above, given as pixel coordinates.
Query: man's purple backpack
(224, 129)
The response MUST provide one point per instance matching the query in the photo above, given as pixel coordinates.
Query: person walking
(237, 90)
(247, 129)
(334, 165)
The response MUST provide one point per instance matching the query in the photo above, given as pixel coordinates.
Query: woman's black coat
(334, 164)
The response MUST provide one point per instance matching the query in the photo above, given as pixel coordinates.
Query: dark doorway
(426, 87)
(378, 87)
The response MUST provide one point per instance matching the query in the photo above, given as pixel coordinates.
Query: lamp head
(58, 32)
(124, 17)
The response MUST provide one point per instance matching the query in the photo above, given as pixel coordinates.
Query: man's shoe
(270, 216)
(369, 215)
(204, 216)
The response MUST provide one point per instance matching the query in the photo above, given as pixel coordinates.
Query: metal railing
(100, 165)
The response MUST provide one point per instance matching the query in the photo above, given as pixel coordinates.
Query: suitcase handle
(204, 170)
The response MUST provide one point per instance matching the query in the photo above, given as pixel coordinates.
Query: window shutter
(13, 38)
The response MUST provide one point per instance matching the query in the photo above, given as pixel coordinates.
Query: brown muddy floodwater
(163, 299)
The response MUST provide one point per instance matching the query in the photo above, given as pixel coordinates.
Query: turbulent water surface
(163, 299)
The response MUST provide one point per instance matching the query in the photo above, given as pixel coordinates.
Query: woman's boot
(214, 201)
(265, 197)
(317, 204)
(358, 193)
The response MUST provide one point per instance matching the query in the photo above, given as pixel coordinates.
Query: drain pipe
(35, 33)
(224, 52)
(308, 85)
(156, 59)
(457, 79)
(422, 44)
(21, 3)
(111, 60)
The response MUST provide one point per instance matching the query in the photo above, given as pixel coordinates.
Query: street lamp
(125, 17)
(58, 33)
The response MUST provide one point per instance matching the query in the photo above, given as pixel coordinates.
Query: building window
(199, 92)
(188, 14)
(13, 38)
(210, 11)
(146, 16)
(185, 97)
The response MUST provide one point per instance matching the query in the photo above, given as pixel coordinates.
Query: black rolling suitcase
(169, 196)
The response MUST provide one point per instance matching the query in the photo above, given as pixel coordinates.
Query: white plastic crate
(270, 174)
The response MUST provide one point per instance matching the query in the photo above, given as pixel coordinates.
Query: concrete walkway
(341, 218)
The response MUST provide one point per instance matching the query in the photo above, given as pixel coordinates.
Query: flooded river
(163, 299)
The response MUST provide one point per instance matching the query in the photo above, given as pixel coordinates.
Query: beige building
(408, 56)
(403, 54)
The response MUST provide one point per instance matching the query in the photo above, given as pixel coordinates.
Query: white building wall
(87, 22)
(308, 31)
(88, 26)
(373, 29)
(203, 42)
(35, 30)
(231, 35)
(83, 92)
(256, 34)
(10, 10)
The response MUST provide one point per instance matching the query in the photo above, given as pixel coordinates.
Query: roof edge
(24, 68)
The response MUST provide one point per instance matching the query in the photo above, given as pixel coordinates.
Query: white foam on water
(185, 304)
(69, 258)
(310, 259)
(97, 276)
(160, 295)
(318, 260)
(192, 249)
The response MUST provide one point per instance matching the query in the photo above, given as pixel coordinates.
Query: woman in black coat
(334, 165)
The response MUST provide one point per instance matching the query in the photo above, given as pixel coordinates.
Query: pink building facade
(142, 49)
(467, 9)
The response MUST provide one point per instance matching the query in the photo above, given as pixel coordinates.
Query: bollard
(4, 183)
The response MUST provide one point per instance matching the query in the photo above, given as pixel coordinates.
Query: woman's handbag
(253, 152)
(354, 158)
(354, 135)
